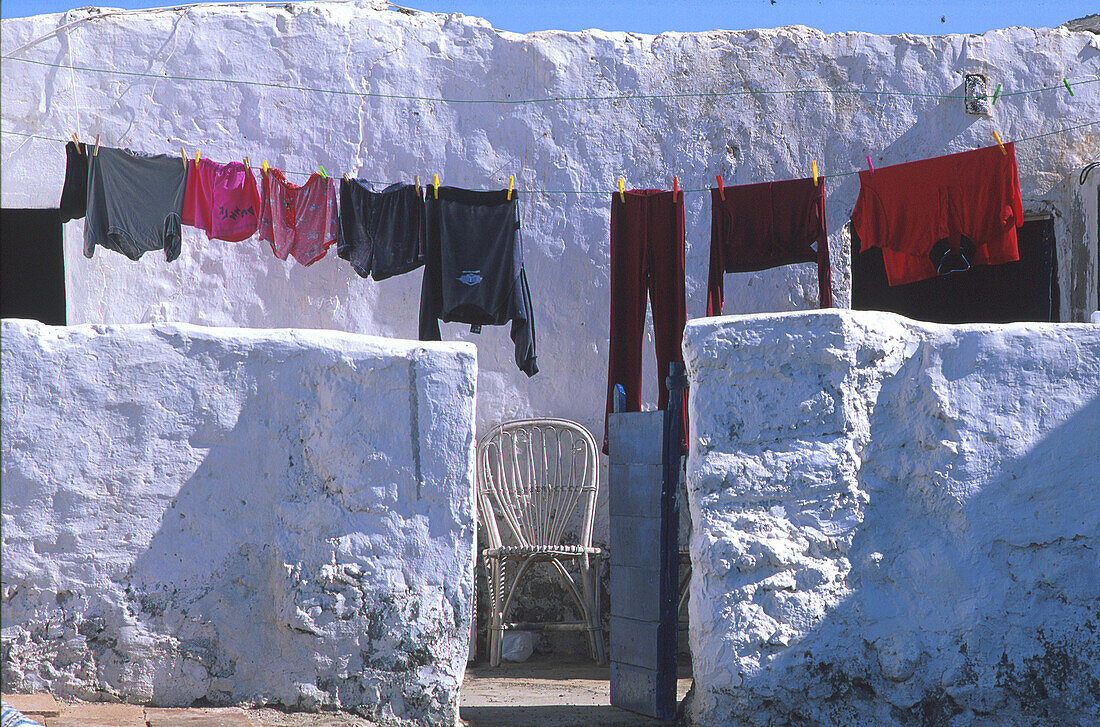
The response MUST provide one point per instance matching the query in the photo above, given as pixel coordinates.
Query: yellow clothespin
(622, 190)
(265, 166)
(813, 168)
(1000, 143)
(196, 156)
(511, 183)
(96, 152)
(436, 186)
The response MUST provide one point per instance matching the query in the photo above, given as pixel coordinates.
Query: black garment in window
(74, 194)
(473, 270)
(381, 233)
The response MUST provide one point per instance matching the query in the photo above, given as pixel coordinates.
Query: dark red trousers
(647, 256)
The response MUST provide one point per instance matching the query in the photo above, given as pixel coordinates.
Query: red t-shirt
(905, 209)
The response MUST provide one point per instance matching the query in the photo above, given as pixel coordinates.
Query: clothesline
(606, 191)
(548, 99)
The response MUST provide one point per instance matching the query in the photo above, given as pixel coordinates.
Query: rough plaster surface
(579, 145)
(894, 523)
(242, 517)
(556, 145)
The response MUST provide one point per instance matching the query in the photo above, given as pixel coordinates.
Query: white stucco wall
(239, 516)
(747, 136)
(894, 523)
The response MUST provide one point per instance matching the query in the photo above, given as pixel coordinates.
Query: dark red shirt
(761, 226)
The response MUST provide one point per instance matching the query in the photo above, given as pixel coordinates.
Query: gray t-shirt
(134, 203)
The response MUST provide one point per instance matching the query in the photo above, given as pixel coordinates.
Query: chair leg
(493, 572)
(591, 576)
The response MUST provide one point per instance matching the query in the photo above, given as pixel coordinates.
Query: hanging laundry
(134, 202)
(381, 233)
(761, 226)
(473, 268)
(941, 215)
(647, 255)
(74, 193)
(222, 200)
(298, 220)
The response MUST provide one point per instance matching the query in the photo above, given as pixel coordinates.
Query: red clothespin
(870, 165)
(1000, 143)
(675, 185)
(721, 189)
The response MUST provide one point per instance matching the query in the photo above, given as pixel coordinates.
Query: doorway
(32, 267)
(1024, 290)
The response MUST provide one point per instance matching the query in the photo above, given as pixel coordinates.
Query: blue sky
(648, 16)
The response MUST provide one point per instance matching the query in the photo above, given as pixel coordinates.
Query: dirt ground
(532, 694)
(549, 694)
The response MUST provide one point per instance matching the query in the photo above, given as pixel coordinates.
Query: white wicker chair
(534, 474)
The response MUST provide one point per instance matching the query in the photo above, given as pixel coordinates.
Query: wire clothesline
(605, 191)
(1060, 86)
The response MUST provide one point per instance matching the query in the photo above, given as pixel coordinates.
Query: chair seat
(524, 551)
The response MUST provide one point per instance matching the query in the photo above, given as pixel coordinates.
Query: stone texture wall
(242, 517)
(894, 523)
(581, 145)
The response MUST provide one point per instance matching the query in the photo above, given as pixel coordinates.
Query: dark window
(32, 269)
(1025, 290)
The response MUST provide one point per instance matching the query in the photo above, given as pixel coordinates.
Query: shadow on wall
(982, 607)
(295, 566)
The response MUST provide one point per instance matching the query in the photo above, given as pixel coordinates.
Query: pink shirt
(298, 220)
(221, 199)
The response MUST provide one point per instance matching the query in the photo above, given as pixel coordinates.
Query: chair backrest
(535, 473)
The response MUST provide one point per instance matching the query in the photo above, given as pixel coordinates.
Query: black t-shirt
(74, 195)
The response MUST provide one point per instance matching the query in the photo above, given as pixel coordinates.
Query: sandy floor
(533, 694)
(548, 694)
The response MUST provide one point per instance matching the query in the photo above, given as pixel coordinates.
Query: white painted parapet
(240, 516)
(894, 523)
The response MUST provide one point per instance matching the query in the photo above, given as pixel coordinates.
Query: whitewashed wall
(556, 145)
(894, 523)
(238, 516)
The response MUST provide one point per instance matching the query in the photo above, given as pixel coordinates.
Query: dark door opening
(1024, 290)
(32, 268)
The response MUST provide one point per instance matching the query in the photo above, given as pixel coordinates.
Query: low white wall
(239, 516)
(894, 523)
